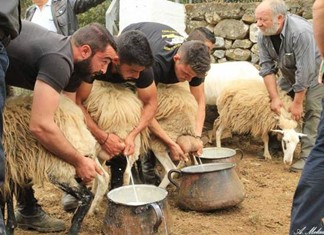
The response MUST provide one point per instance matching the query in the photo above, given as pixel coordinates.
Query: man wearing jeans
(9, 29)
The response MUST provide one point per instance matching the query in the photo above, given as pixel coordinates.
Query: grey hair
(278, 7)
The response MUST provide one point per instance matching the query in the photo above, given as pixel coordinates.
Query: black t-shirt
(145, 79)
(165, 42)
(40, 54)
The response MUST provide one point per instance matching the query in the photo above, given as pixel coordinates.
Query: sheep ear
(278, 131)
(301, 134)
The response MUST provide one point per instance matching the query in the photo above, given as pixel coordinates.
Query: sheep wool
(27, 158)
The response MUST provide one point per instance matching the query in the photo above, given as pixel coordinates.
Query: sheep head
(290, 139)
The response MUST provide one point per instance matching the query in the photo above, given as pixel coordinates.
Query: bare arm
(198, 93)
(113, 145)
(149, 98)
(270, 83)
(43, 127)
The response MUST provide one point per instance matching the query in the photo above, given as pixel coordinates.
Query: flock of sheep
(235, 87)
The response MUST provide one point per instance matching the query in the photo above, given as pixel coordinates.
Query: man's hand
(275, 105)
(176, 153)
(129, 145)
(113, 145)
(296, 111)
(87, 169)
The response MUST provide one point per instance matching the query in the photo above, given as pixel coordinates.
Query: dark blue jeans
(4, 62)
(307, 215)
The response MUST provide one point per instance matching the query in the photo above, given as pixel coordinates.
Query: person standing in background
(286, 43)
(59, 16)
(10, 25)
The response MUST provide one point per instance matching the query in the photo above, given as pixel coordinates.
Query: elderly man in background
(286, 42)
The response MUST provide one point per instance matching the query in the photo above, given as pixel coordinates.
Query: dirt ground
(265, 210)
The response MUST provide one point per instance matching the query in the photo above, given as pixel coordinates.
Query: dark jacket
(10, 17)
(64, 13)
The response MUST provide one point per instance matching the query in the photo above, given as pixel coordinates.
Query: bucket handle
(159, 215)
(241, 152)
(170, 176)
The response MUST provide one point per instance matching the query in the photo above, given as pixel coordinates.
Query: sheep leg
(167, 164)
(11, 220)
(84, 195)
(266, 153)
(128, 170)
(99, 189)
(218, 135)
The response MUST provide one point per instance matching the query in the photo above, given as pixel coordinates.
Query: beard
(83, 68)
(273, 30)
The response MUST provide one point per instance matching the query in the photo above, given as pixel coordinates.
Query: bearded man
(286, 43)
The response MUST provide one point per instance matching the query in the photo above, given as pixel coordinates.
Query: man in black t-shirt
(131, 66)
(50, 64)
(177, 61)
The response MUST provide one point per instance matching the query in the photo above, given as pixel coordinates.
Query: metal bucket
(219, 154)
(137, 210)
(208, 187)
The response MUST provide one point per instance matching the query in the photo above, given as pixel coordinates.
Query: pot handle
(158, 213)
(170, 176)
(241, 152)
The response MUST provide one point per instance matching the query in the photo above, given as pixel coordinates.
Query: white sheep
(28, 160)
(221, 75)
(244, 107)
(117, 109)
(176, 113)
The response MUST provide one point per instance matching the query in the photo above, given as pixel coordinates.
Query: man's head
(270, 16)
(93, 49)
(203, 34)
(134, 54)
(192, 60)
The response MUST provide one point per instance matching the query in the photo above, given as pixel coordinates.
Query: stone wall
(234, 26)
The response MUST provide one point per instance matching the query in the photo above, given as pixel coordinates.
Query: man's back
(34, 52)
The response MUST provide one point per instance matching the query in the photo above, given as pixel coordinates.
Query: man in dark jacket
(59, 15)
(9, 29)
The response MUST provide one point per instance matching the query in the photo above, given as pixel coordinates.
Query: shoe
(40, 222)
(69, 203)
(298, 166)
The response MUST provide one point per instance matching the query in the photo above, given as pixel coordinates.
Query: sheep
(28, 160)
(117, 109)
(244, 107)
(176, 113)
(221, 75)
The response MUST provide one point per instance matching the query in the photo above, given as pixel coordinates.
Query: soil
(265, 210)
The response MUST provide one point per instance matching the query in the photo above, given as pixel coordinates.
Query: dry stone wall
(235, 27)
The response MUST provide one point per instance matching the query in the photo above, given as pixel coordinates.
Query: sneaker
(298, 166)
(40, 222)
(69, 203)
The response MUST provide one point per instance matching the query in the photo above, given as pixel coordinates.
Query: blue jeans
(4, 63)
(307, 214)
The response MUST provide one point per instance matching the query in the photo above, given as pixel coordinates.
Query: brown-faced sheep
(116, 109)
(28, 160)
(244, 107)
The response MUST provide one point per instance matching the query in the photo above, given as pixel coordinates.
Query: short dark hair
(134, 48)
(196, 54)
(202, 34)
(96, 36)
